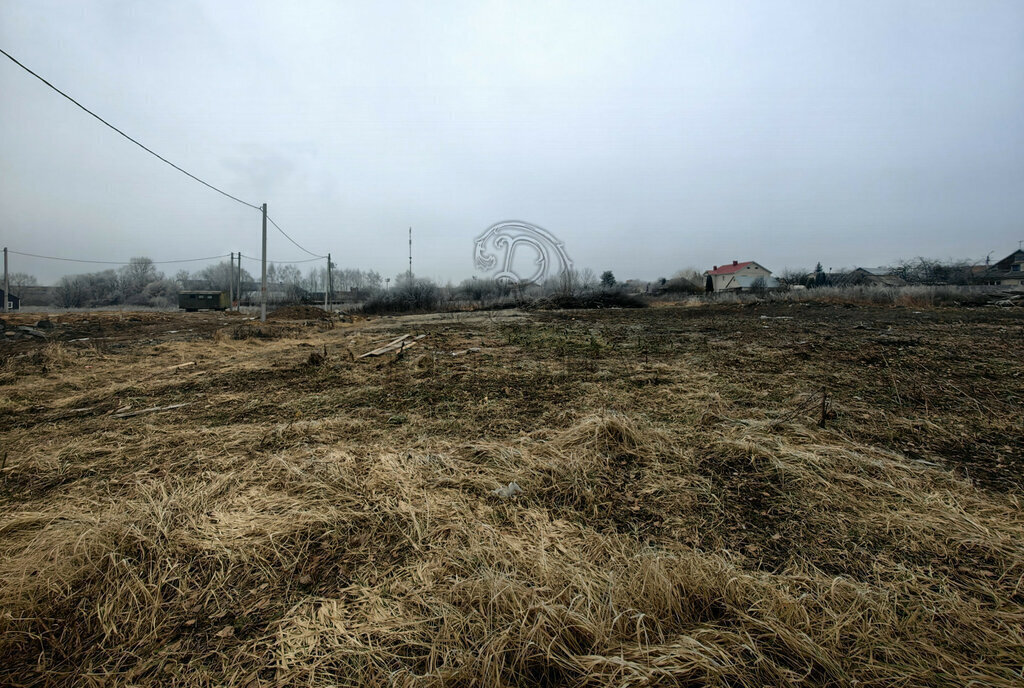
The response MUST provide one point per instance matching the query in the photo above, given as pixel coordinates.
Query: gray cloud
(649, 137)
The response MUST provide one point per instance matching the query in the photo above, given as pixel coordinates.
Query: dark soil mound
(300, 313)
(252, 331)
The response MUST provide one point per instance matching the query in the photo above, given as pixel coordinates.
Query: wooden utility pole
(7, 284)
(410, 254)
(263, 278)
(231, 280)
(237, 276)
(328, 284)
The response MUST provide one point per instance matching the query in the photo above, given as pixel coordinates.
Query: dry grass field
(198, 500)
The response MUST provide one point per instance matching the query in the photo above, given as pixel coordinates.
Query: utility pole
(263, 278)
(330, 280)
(7, 284)
(237, 276)
(410, 254)
(231, 281)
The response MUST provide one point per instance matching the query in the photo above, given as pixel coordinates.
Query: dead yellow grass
(337, 544)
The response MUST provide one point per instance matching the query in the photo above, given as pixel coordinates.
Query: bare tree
(139, 272)
(219, 275)
(71, 292)
(20, 280)
(791, 276)
(313, 278)
(922, 270)
(353, 278)
(691, 275)
(567, 283)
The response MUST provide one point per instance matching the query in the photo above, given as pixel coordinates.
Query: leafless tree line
(140, 283)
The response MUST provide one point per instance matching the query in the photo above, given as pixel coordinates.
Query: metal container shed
(198, 300)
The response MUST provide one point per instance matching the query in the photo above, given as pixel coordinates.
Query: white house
(1007, 272)
(740, 276)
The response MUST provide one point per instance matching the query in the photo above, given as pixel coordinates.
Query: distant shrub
(483, 290)
(679, 285)
(594, 299)
(407, 296)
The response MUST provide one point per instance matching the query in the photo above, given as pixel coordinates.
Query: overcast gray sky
(649, 136)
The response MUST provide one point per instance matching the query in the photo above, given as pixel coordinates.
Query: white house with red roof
(740, 276)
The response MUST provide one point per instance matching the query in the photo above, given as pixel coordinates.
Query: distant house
(1008, 272)
(337, 296)
(13, 302)
(740, 276)
(876, 277)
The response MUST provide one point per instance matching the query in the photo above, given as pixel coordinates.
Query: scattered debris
(72, 413)
(471, 350)
(32, 332)
(181, 365)
(510, 490)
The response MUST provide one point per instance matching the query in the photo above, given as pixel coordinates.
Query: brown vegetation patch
(305, 517)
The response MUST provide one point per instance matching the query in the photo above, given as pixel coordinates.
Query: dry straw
(206, 547)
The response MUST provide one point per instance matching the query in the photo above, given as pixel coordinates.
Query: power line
(160, 157)
(293, 240)
(115, 262)
(285, 262)
(137, 143)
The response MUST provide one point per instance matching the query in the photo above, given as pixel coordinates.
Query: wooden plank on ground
(387, 347)
(394, 345)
